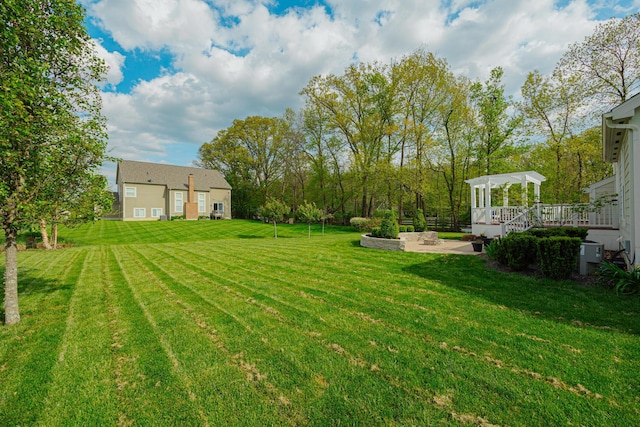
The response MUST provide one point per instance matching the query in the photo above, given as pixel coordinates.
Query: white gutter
(635, 187)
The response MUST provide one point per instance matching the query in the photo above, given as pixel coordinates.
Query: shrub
(580, 232)
(375, 232)
(419, 221)
(558, 256)
(492, 248)
(176, 217)
(624, 282)
(410, 229)
(359, 223)
(519, 250)
(365, 224)
(389, 226)
(402, 228)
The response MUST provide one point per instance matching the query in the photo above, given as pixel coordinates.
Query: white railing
(498, 214)
(517, 218)
(523, 222)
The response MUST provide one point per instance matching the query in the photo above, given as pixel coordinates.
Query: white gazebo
(485, 217)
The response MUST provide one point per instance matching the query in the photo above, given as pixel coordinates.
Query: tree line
(407, 134)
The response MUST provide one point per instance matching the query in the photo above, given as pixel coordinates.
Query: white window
(218, 207)
(156, 212)
(202, 202)
(130, 191)
(178, 199)
(139, 212)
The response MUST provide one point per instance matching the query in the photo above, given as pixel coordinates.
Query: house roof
(612, 137)
(174, 177)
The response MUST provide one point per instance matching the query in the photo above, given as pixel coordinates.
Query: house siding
(156, 187)
(220, 196)
(147, 197)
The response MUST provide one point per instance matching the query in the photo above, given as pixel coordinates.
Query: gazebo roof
(507, 178)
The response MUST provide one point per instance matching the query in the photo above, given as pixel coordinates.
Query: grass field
(217, 323)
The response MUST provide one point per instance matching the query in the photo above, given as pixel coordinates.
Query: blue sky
(181, 70)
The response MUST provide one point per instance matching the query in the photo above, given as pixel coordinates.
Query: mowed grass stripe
(144, 232)
(148, 390)
(523, 371)
(338, 348)
(509, 342)
(83, 372)
(285, 340)
(31, 347)
(213, 382)
(229, 328)
(361, 355)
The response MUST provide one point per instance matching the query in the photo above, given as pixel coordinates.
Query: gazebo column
(536, 192)
(525, 201)
(487, 202)
(474, 204)
(505, 195)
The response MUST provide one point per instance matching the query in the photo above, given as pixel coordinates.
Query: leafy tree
(420, 80)
(251, 154)
(47, 72)
(607, 62)
(309, 213)
(73, 193)
(495, 127)
(357, 105)
(274, 210)
(554, 108)
(453, 153)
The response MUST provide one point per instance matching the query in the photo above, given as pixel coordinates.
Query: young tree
(309, 213)
(48, 68)
(274, 210)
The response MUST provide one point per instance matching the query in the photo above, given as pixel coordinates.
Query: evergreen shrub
(389, 226)
(558, 256)
(518, 250)
(580, 232)
(419, 221)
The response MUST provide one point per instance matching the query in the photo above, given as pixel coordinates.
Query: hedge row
(556, 255)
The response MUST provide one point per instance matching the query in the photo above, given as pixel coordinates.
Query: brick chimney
(191, 206)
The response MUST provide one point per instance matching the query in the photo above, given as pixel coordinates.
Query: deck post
(487, 202)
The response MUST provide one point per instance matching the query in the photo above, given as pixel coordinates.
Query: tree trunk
(54, 234)
(275, 229)
(11, 310)
(43, 233)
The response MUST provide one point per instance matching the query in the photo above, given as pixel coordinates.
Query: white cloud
(114, 62)
(233, 58)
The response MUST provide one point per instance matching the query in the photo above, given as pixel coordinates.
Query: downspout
(634, 165)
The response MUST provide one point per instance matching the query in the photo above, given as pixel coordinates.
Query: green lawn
(217, 323)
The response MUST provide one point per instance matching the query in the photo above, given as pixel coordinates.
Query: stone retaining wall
(386, 244)
(419, 235)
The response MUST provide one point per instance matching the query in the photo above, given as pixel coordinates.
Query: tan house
(153, 191)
